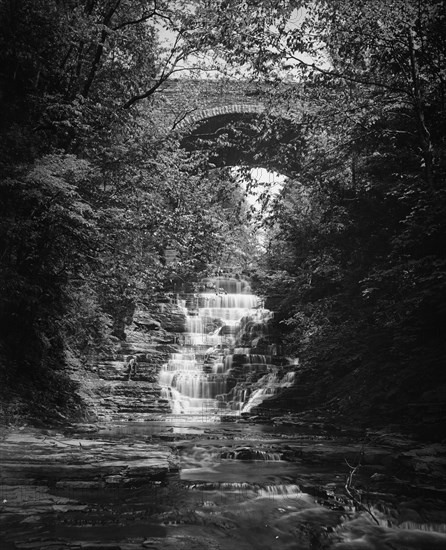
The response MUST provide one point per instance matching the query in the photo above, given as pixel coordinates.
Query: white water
(271, 384)
(195, 379)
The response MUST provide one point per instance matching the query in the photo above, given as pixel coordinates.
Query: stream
(205, 475)
(193, 485)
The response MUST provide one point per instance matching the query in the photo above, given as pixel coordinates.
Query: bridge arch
(234, 121)
(210, 112)
(245, 135)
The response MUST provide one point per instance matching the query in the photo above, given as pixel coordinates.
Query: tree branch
(141, 19)
(347, 77)
(100, 49)
(350, 490)
(181, 118)
(165, 74)
(147, 93)
(145, 17)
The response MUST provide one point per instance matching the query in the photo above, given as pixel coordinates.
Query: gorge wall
(205, 353)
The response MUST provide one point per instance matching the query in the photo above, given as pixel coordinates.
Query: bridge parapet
(239, 108)
(181, 103)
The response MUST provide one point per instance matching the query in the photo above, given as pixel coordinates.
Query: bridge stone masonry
(186, 101)
(205, 110)
(181, 103)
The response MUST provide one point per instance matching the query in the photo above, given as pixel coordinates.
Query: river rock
(429, 459)
(144, 319)
(74, 463)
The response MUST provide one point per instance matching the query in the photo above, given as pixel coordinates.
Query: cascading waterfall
(271, 384)
(205, 375)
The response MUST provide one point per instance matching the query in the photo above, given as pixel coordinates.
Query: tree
(362, 290)
(92, 196)
(47, 234)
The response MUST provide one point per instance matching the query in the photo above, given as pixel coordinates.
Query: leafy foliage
(92, 192)
(355, 265)
(94, 189)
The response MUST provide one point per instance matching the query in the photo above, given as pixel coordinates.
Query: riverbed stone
(115, 487)
(75, 464)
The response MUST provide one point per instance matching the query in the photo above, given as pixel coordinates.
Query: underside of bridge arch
(248, 139)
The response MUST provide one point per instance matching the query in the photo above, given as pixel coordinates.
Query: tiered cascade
(214, 368)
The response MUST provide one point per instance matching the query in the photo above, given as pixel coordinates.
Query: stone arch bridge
(184, 102)
(201, 108)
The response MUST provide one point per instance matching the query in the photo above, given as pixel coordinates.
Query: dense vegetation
(356, 260)
(94, 188)
(92, 191)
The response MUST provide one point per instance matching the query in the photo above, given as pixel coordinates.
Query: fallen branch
(354, 494)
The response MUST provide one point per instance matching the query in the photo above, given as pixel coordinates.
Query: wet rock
(249, 453)
(69, 507)
(292, 455)
(143, 319)
(373, 456)
(77, 485)
(114, 480)
(33, 466)
(81, 429)
(170, 316)
(429, 459)
(379, 477)
(100, 546)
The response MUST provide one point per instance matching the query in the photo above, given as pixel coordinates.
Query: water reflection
(232, 491)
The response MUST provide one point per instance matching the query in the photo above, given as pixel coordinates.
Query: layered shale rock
(204, 352)
(134, 394)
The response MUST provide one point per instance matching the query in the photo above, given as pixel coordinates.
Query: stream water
(205, 478)
(229, 485)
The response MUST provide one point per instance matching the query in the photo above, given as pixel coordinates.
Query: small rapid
(180, 485)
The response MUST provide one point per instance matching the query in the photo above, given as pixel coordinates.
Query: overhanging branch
(349, 78)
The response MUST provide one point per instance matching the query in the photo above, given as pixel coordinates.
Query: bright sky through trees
(209, 64)
(262, 186)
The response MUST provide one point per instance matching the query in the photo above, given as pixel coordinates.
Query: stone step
(118, 407)
(120, 365)
(132, 387)
(141, 359)
(155, 408)
(137, 417)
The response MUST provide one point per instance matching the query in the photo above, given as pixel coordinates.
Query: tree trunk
(424, 134)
